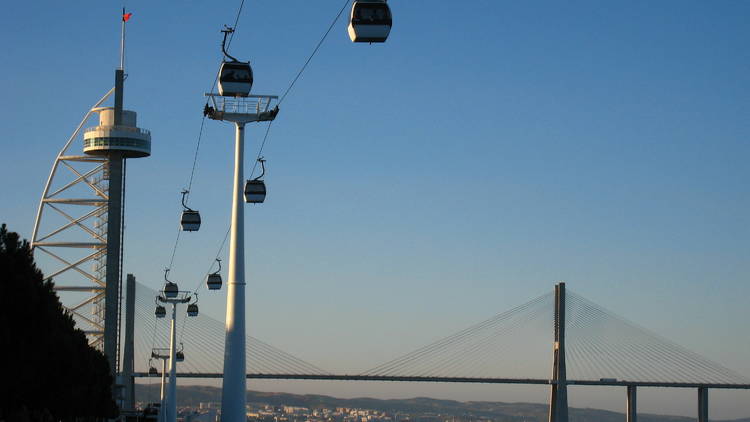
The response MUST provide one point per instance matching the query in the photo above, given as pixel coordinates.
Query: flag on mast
(125, 16)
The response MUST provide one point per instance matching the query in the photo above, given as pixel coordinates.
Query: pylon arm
(253, 108)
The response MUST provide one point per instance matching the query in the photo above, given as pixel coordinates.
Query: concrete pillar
(127, 353)
(702, 404)
(632, 412)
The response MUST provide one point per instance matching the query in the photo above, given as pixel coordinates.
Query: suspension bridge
(590, 346)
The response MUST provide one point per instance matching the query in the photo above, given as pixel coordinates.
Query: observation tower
(77, 236)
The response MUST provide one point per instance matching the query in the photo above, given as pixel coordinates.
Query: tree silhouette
(49, 372)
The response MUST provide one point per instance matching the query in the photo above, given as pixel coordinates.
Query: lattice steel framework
(70, 230)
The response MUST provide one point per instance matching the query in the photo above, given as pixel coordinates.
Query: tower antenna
(122, 41)
(125, 17)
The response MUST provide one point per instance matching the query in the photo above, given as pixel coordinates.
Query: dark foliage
(49, 372)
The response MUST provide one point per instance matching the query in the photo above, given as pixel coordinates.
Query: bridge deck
(528, 381)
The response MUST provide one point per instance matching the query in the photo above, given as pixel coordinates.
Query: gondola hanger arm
(262, 162)
(219, 270)
(227, 30)
(184, 205)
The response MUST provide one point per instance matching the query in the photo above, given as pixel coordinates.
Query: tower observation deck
(127, 137)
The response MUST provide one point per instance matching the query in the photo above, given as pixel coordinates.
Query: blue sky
(486, 151)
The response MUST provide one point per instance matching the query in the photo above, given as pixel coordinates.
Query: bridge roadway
(475, 380)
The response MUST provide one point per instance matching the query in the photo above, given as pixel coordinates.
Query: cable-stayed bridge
(594, 347)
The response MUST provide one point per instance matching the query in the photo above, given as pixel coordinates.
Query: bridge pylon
(702, 404)
(558, 402)
(631, 405)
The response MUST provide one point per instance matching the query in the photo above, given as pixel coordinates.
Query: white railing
(252, 104)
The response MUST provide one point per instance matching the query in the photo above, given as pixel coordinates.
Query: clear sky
(486, 151)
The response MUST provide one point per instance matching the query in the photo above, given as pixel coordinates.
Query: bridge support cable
(600, 349)
(203, 341)
(486, 349)
(602, 345)
(478, 357)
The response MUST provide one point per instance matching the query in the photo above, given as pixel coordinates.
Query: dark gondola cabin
(160, 311)
(235, 79)
(190, 221)
(213, 281)
(179, 356)
(152, 371)
(170, 290)
(255, 191)
(370, 21)
(192, 309)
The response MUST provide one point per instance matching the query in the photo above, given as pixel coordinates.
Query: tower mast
(106, 146)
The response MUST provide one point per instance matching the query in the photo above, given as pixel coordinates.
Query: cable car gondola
(255, 189)
(213, 280)
(191, 219)
(370, 21)
(152, 371)
(179, 356)
(160, 312)
(192, 309)
(170, 290)
(235, 77)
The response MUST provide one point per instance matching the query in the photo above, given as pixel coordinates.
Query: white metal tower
(238, 110)
(79, 219)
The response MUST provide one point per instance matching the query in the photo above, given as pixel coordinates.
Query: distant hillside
(498, 411)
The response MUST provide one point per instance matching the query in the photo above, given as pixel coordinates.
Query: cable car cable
(294, 81)
(236, 21)
(225, 44)
(265, 136)
(200, 133)
(317, 47)
(200, 282)
(268, 128)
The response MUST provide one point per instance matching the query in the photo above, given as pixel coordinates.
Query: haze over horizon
(480, 155)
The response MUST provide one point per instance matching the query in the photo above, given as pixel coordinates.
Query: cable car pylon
(235, 104)
(171, 294)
